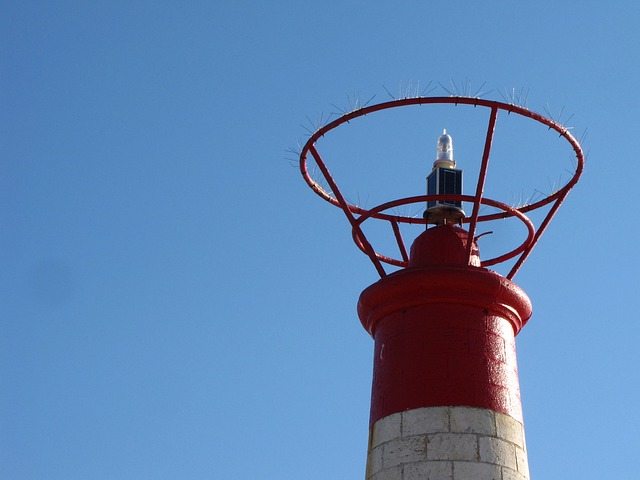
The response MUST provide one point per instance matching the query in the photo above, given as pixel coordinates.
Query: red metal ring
(453, 198)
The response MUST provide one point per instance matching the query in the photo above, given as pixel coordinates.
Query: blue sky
(176, 303)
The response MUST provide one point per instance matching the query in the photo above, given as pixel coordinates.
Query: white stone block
(472, 420)
(452, 446)
(509, 429)
(523, 461)
(425, 420)
(508, 474)
(428, 471)
(389, 474)
(374, 461)
(404, 450)
(386, 429)
(476, 471)
(499, 452)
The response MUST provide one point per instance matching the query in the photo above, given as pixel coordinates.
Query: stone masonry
(447, 443)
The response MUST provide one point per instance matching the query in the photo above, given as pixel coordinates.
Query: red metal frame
(336, 198)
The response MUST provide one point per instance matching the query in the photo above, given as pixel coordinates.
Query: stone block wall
(447, 443)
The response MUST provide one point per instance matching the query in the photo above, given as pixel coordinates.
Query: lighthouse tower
(445, 401)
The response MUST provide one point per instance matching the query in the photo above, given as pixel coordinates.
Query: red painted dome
(443, 245)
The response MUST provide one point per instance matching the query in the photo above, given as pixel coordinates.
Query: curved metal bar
(562, 131)
(524, 247)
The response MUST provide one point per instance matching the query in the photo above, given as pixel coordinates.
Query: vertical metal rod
(398, 234)
(371, 253)
(481, 179)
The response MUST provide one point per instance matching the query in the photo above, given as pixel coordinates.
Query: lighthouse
(445, 397)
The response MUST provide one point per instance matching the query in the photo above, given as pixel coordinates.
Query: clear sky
(175, 303)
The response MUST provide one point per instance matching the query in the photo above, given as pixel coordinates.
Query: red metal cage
(356, 215)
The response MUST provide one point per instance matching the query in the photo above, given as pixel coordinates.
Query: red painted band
(444, 336)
